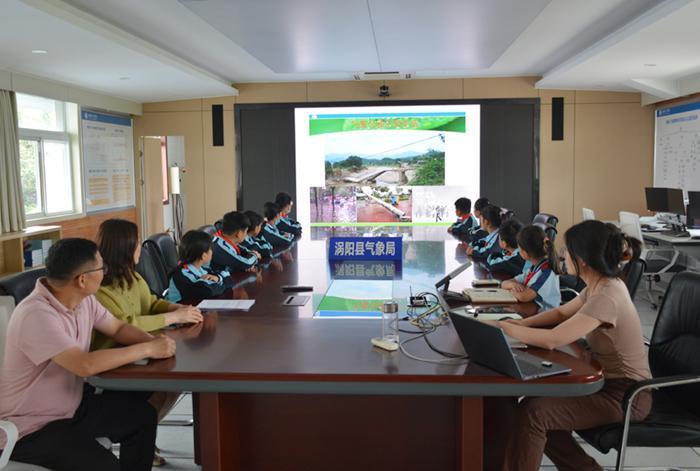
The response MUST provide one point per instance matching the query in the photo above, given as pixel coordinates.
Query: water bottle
(390, 322)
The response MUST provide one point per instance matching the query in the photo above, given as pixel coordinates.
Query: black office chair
(674, 358)
(151, 268)
(632, 273)
(209, 229)
(168, 250)
(546, 218)
(21, 284)
(549, 230)
(507, 214)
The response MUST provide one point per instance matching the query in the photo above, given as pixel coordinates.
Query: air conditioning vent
(383, 75)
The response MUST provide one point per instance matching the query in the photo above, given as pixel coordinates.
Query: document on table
(226, 304)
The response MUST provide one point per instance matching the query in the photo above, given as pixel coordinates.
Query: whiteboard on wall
(108, 161)
(677, 152)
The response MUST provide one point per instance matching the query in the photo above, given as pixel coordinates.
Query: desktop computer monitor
(676, 205)
(693, 214)
(665, 200)
(656, 199)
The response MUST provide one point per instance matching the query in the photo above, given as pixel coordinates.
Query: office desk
(279, 389)
(689, 247)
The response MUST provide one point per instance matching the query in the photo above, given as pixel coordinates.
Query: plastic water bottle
(390, 322)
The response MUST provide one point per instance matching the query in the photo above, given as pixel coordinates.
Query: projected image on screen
(377, 165)
(391, 157)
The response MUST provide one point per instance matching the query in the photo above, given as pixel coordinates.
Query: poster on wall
(108, 161)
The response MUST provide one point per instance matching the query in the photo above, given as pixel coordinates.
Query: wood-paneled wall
(86, 227)
(604, 161)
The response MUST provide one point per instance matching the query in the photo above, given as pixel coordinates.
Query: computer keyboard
(676, 233)
(529, 369)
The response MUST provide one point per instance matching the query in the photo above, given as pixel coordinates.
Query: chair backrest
(21, 284)
(632, 274)
(546, 218)
(209, 229)
(549, 230)
(507, 214)
(630, 225)
(219, 224)
(151, 268)
(588, 214)
(7, 305)
(168, 250)
(674, 348)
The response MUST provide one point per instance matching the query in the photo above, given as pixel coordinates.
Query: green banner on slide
(410, 123)
(337, 303)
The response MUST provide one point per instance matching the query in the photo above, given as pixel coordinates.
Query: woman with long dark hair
(604, 314)
(124, 292)
(126, 295)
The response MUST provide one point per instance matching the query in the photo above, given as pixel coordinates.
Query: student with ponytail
(538, 281)
(604, 314)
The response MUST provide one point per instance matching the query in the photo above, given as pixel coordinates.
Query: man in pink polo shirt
(47, 357)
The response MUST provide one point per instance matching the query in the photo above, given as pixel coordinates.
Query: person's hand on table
(257, 254)
(253, 269)
(184, 315)
(517, 287)
(449, 229)
(161, 347)
(211, 277)
(470, 250)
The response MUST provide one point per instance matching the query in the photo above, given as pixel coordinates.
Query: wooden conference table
(278, 389)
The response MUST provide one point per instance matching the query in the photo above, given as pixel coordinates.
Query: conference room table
(278, 388)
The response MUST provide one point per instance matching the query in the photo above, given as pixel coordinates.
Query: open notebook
(489, 295)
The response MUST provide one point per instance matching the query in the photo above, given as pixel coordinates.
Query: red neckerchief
(539, 267)
(284, 215)
(229, 241)
(466, 216)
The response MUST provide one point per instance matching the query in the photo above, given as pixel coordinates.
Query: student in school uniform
(228, 254)
(508, 259)
(271, 232)
(193, 279)
(490, 221)
(253, 240)
(606, 316)
(538, 281)
(465, 219)
(285, 223)
(477, 232)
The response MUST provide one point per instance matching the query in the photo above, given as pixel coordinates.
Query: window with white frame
(47, 160)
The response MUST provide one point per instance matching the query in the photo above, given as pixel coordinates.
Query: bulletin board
(108, 161)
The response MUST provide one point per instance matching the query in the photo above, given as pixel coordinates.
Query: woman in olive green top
(126, 295)
(124, 292)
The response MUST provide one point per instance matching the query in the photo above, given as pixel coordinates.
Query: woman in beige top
(604, 314)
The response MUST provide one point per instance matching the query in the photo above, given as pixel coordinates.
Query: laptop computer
(487, 345)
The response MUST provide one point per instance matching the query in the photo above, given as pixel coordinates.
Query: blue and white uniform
(465, 225)
(229, 256)
(542, 279)
(286, 224)
(258, 244)
(187, 283)
(505, 262)
(485, 246)
(274, 237)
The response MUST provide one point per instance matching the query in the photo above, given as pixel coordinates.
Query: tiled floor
(176, 441)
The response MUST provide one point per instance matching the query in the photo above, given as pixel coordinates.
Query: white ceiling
(194, 48)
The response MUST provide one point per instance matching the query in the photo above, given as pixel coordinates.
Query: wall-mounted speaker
(217, 125)
(558, 118)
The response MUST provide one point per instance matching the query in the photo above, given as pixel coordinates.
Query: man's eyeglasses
(103, 269)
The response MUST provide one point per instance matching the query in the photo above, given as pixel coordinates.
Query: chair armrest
(674, 255)
(11, 434)
(569, 290)
(656, 383)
